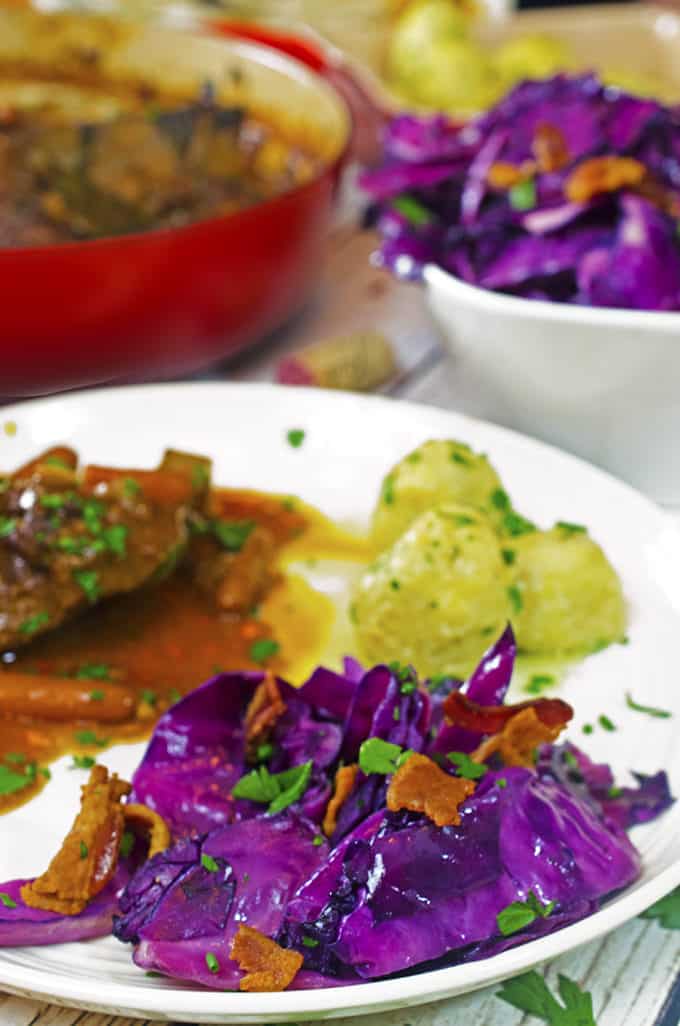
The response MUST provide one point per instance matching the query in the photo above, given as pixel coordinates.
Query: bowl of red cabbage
(546, 232)
(366, 825)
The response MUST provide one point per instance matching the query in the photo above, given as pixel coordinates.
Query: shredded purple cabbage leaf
(389, 892)
(434, 204)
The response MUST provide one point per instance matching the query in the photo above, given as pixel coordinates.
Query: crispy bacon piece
(503, 175)
(344, 783)
(550, 148)
(419, 785)
(603, 174)
(141, 817)
(517, 741)
(266, 964)
(266, 707)
(88, 856)
(490, 719)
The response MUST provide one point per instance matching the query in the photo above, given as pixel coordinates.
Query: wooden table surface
(634, 973)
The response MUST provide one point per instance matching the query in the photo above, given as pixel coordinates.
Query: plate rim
(356, 999)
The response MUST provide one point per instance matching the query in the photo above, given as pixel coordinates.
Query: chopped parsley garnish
(232, 536)
(34, 623)
(277, 790)
(396, 714)
(88, 580)
(208, 862)
(650, 710)
(457, 457)
(412, 210)
(394, 584)
(509, 556)
(530, 993)
(94, 671)
(148, 697)
(289, 504)
(460, 520)
(606, 723)
(53, 500)
(263, 649)
(11, 781)
(264, 752)
(515, 596)
(84, 850)
(211, 962)
(587, 728)
(115, 538)
(500, 499)
(523, 195)
(131, 488)
(174, 695)
(502, 783)
(515, 524)
(295, 437)
(73, 546)
(15, 757)
(88, 737)
(318, 841)
(7, 901)
(388, 496)
(56, 461)
(46, 773)
(539, 682)
(666, 910)
(466, 766)
(568, 528)
(7, 525)
(83, 762)
(378, 756)
(310, 942)
(127, 843)
(519, 914)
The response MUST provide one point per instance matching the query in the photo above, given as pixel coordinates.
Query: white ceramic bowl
(604, 384)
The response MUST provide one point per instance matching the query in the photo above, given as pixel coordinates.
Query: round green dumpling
(436, 472)
(567, 596)
(438, 597)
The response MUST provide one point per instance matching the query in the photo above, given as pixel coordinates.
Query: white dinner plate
(350, 442)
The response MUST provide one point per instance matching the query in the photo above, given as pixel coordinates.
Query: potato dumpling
(567, 595)
(437, 597)
(436, 472)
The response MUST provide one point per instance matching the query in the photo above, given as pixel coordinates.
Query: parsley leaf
(466, 766)
(11, 781)
(606, 723)
(211, 962)
(84, 850)
(88, 737)
(127, 843)
(530, 993)
(208, 862)
(94, 671)
(279, 790)
(34, 623)
(7, 901)
(523, 195)
(378, 756)
(569, 529)
(538, 682)
(515, 596)
(7, 525)
(412, 210)
(97, 695)
(89, 582)
(650, 710)
(232, 536)
(515, 524)
(518, 914)
(82, 762)
(295, 437)
(115, 538)
(263, 649)
(666, 910)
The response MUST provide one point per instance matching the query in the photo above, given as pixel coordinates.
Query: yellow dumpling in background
(439, 471)
(568, 596)
(438, 596)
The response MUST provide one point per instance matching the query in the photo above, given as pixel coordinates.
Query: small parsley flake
(208, 862)
(295, 437)
(211, 962)
(7, 901)
(263, 649)
(84, 850)
(606, 723)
